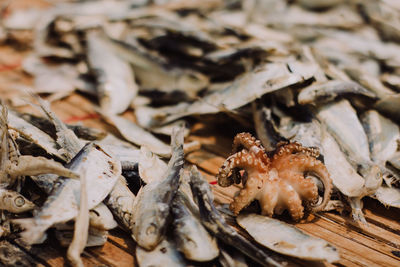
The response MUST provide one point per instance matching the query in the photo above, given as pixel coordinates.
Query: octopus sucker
(278, 183)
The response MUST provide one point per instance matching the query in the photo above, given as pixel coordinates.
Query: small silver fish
(190, 236)
(116, 83)
(342, 122)
(152, 205)
(328, 91)
(168, 79)
(151, 167)
(383, 136)
(138, 136)
(287, 239)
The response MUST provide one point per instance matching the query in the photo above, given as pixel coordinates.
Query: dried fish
(168, 79)
(139, 136)
(369, 81)
(81, 227)
(101, 218)
(384, 17)
(61, 78)
(34, 135)
(265, 79)
(68, 141)
(101, 170)
(81, 131)
(287, 239)
(325, 92)
(14, 202)
(345, 178)
(383, 136)
(265, 127)
(164, 254)
(232, 259)
(388, 196)
(121, 203)
(95, 238)
(115, 81)
(152, 205)
(342, 122)
(192, 239)
(215, 223)
(151, 167)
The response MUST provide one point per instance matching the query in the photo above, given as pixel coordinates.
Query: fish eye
(19, 201)
(150, 230)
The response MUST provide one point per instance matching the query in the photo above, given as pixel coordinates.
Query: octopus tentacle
(306, 188)
(250, 143)
(244, 160)
(269, 198)
(246, 195)
(292, 201)
(302, 163)
(285, 148)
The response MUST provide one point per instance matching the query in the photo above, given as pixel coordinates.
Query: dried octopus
(278, 183)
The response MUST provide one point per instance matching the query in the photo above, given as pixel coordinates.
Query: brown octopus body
(277, 183)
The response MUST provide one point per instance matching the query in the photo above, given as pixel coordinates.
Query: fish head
(373, 179)
(150, 236)
(151, 226)
(16, 203)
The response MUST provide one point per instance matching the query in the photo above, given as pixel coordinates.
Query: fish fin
(33, 233)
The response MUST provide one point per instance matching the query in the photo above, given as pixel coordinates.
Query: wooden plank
(367, 256)
(371, 230)
(54, 255)
(356, 236)
(112, 255)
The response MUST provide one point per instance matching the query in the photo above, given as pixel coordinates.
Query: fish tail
(33, 232)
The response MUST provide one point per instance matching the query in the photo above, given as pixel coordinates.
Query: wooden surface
(377, 244)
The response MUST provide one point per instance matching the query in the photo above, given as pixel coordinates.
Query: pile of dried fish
(86, 186)
(321, 73)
